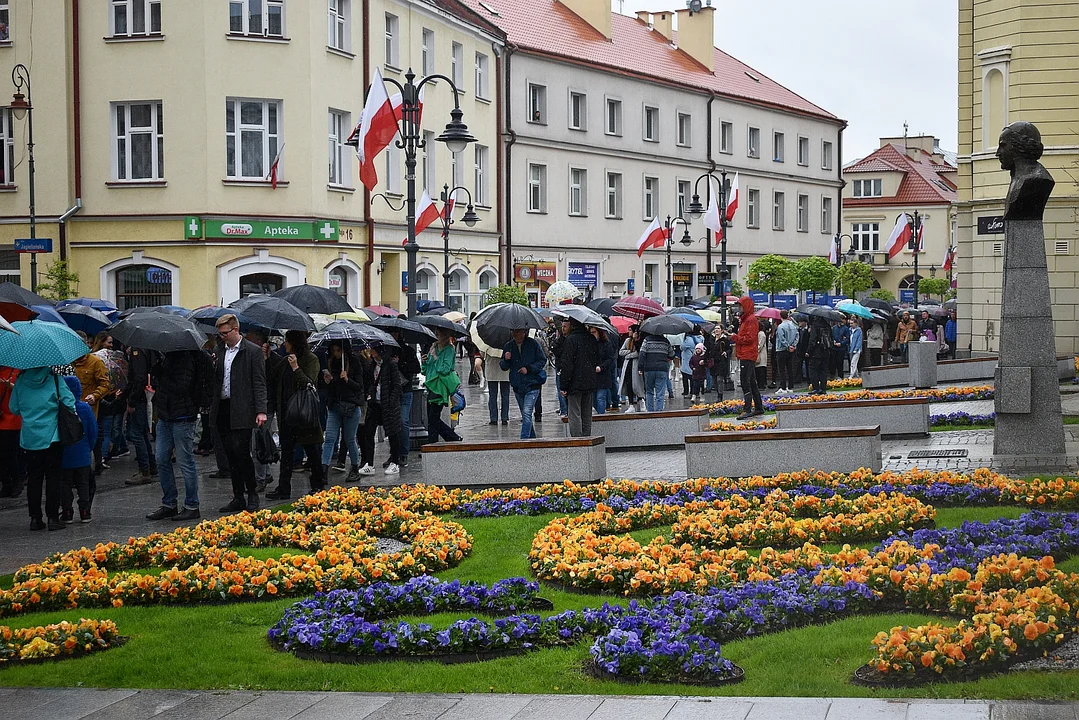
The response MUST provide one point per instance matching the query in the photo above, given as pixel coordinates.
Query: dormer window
(868, 188)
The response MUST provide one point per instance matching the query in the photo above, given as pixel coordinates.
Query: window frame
(726, 137)
(393, 42)
(427, 51)
(536, 94)
(801, 213)
(650, 197)
(803, 144)
(245, 19)
(582, 97)
(457, 62)
(268, 154)
(826, 214)
(875, 185)
(779, 210)
(683, 133)
(479, 178)
(683, 194)
(482, 86)
(129, 5)
(339, 22)
(779, 150)
(612, 209)
(457, 169)
(339, 126)
(826, 155)
(753, 208)
(612, 103)
(649, 111)
(540, 184)
(7, 147)
(864, 235)
(5, 20)
(427, 162)
(393, 178)
(752, 152)
(155, 130)
(581, 187)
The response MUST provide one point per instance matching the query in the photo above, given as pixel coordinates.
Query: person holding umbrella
(579, 371)
(524, 360)
(745, 349)
(346, 399)
(654, 365)
(93, 376)
(819, 354)
(408, 364)
(442, 382)
(874, 341)
(855, 346)
(300, 369)
(383, 408)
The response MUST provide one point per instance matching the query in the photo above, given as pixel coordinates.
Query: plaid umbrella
(638, 308)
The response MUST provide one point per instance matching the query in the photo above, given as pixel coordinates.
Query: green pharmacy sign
(257, 229)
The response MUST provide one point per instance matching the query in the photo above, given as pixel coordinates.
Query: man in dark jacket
(408, 364)
(138, 375)
(745, 349)
(819, 353)
(239, 404)
(840, 346)
(578, 372)
(523, 358)
(181, 382)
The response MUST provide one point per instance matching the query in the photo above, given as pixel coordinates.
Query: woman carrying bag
(442, 382)
(298, 421)
(344, 383)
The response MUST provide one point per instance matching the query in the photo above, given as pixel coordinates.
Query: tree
(882, 294)
(933, 286)
(60, 283)
(771, 274)
(505, 294)
(814, 274)
(736, 288)
(854, 277)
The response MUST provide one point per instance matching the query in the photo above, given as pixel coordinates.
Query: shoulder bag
(68, 424)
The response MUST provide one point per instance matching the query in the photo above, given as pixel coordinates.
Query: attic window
(489, 9)
(752, 77)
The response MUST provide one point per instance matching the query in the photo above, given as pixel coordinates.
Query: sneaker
(68, 515)
(57, 524)
(392, 469)
(103, 466)
(84, 516)
(37, 524)
(339, 467)
(234, 506)
(161, 513)
(185, 515)
(631, 409)
(367, 470)
(123, 453)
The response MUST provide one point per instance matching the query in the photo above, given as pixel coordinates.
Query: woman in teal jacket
(36, 397)
(442, 381)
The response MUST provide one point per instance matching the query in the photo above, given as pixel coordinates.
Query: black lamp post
(686, 240)
(696, 209)
(456, 136)
(21, 106)
(470, 218)
(915, 225)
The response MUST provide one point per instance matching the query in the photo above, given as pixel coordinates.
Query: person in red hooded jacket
(11, 471)
(745, 349)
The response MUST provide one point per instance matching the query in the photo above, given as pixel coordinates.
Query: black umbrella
(666, 325)
(929, 302)
(604, 306)
(496, 323)
(883, 305)
(209, 315)
(411, 332)
(354, 332)
(159, 331)
(155, 310)
(580, 313)
(314, 299)
(437, 321)
(543, 312)
(822, 312)
(273, 312)
(87, 319)
(938, 311)
(949, 304)
(10, 292)
(437, 311)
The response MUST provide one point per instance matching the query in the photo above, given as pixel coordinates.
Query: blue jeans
(406, 424)
(601, 400)
(104, 429)
(670, 387)
(496, 388)
(527, 402)
(655, 382)
(178, 435)
(138, 430)
(562, 408)
(334, 426)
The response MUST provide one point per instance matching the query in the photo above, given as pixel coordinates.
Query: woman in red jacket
(11, 471)
(745, 349)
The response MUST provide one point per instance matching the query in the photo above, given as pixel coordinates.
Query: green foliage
(736, 288)
(505, 294)
(814, 274)
(854, 277)
(60, 282)
(771, 274)
(883, 294)
(951, 294)
(933, 286)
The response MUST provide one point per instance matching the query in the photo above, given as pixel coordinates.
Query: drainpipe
(368, 220)
(507, 267)
(839, 173)
(711, 168)
(76, 96)
(498, 160)
(62, 221)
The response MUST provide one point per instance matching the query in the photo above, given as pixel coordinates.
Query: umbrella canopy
(949, 304)
(164, 333)
(411, 332)
(857, 309)
(580, 313)
(496, 322)
(622, 324)
(438, 321)
(159, 309)
(40, 344)
(273, 312)
(440, 309)
(882, 317)
(454, 316)
(354, 332)
(13, 311)
(543, 312)
(666, 325)
(5, 325)
(604, 306)
(11, 292)
(883, 305)
(85, 318)
(928, 302)
(352, 316)
(426, 306)
(560, 292)
(711, 315)
(314, 299)
(321, 320)
(208, 315)
(938, 312)
(769, 312)
(382, 310)
(689, 314)
(48, 314)
(638, 308)
(103, 306)
(820, 311)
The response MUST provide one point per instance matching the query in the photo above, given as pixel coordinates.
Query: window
(339, 26)
(578, 111)
(651, 124)
(129, 17)
(866, 236)
(425, 284)
(777, 147)
(427, 52)
(429, 162)
(457, 170)
(778, 211)
(338, 281)
(5, 26)
(803, 151)
(825, 155)
(10, 264)
(143, 286)
(481, 176)
(867, 188)
(457, 64)
(138, 145)
(685, 130)
(651, 197)
(537, 188)
(826, 215)
(683, 196)
(578, 191)
(393, 169)
(537, 104)
(614, 117)
(257, 17)
(392, 56)
(7, 147)
(614, 196)
(753, 149)
(753, 209)
(803, 213)
(252, 137)
(481, 76)
(726, 137)
(488, 279)
(340, 168)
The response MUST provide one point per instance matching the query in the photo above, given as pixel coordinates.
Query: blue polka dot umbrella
(40, 344)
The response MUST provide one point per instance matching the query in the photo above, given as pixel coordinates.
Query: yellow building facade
(1017, 61)
(156, 126)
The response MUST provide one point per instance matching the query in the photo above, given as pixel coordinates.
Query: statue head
(1020, 140)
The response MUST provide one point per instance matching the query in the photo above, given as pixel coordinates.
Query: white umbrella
(5, 325)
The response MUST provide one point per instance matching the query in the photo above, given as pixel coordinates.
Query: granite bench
(515, 462)
(897, 418)
(982, 367)
(746, 453)
(666, 428)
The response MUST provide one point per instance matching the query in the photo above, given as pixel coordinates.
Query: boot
(142, 477)
(353, 474)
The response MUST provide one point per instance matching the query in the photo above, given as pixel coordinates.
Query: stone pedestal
(922, 360)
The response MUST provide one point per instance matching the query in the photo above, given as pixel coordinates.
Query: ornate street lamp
(470, 218)
(686, 240)
(696, 210)
(22, 107)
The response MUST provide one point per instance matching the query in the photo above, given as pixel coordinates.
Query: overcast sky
(874, 64)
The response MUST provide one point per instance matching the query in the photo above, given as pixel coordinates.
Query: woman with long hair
(442, 382)
(345, 403)
(300, 369)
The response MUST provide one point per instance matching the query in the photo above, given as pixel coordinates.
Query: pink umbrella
(381, 310)
(622, 324)
(769, 312)
(638, 308)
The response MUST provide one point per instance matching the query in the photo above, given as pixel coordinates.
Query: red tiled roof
(923, 181)
(549, 27)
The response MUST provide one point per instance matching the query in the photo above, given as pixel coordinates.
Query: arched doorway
(261, 284)
(258, 272)
(425, 284)
(458, 287)
(488, 279)
(143, 286)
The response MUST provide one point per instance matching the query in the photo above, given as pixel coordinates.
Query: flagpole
(916, 223)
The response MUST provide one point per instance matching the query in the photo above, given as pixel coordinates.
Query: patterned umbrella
(638, 308)
(560, 292)
(40, 344)
(381, 310)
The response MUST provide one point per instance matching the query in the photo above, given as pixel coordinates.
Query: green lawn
(224, 646)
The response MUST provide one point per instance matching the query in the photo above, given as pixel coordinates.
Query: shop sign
(256, 229)
(759, 298)
(158, 276)
(583, 275)
(631, 285)
(683, 278)
(906, 296)
(836, 299)
(535, 275)
(335, 282)
(990, 225)
(707, 278)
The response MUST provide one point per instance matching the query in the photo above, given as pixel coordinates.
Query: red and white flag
(949, 259)
(732, 199)
(377, 127)
(833, 251)
(426, 213)
(900, 236)
(918, 245)
(654, 236)
(275, 167)
(711, 217)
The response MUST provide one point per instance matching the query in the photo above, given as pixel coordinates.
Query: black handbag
(68, 424)
(302, 410)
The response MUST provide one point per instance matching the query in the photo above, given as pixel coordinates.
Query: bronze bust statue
(1019, 149)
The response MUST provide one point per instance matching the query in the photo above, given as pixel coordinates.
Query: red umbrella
(622, 324)
(14, 312)
(381, 310)
(769, 312)
(638, 308)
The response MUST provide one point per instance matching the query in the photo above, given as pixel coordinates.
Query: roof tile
(923, 179)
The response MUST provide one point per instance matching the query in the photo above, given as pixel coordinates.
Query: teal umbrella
(854, 308)
(40, 344)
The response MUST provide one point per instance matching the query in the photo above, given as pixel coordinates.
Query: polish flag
(949, 259)
(732, 199)
(654, 236)
(833, 252)
(377, 127)
(274, 167)
(918, 244)
(900, 236)
(426, 213)
(711, 216)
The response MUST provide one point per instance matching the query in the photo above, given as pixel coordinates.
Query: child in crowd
(699, 364)
(77, 473)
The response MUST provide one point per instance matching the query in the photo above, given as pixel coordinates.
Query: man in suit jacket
(239, 405)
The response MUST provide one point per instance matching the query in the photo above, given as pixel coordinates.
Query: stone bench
(982, 367)
(515, 462)
(746, 453)
(899, 417)
(667, 428)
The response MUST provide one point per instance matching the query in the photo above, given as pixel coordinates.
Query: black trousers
(314, 455)
(371, 421)
(43, 468)
(750, 390)
(79, 480)
(818, 373)
(785, 363)
(838, 357)
(237, 446)
(11, 469)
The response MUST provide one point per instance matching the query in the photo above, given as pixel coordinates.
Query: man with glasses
(239, 405)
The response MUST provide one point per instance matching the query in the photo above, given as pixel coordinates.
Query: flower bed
(956, 418)
(845, 383)
(938, 395)
(61, 640)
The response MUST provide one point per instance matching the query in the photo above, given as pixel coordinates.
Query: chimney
(696, 35)
(596, 13)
